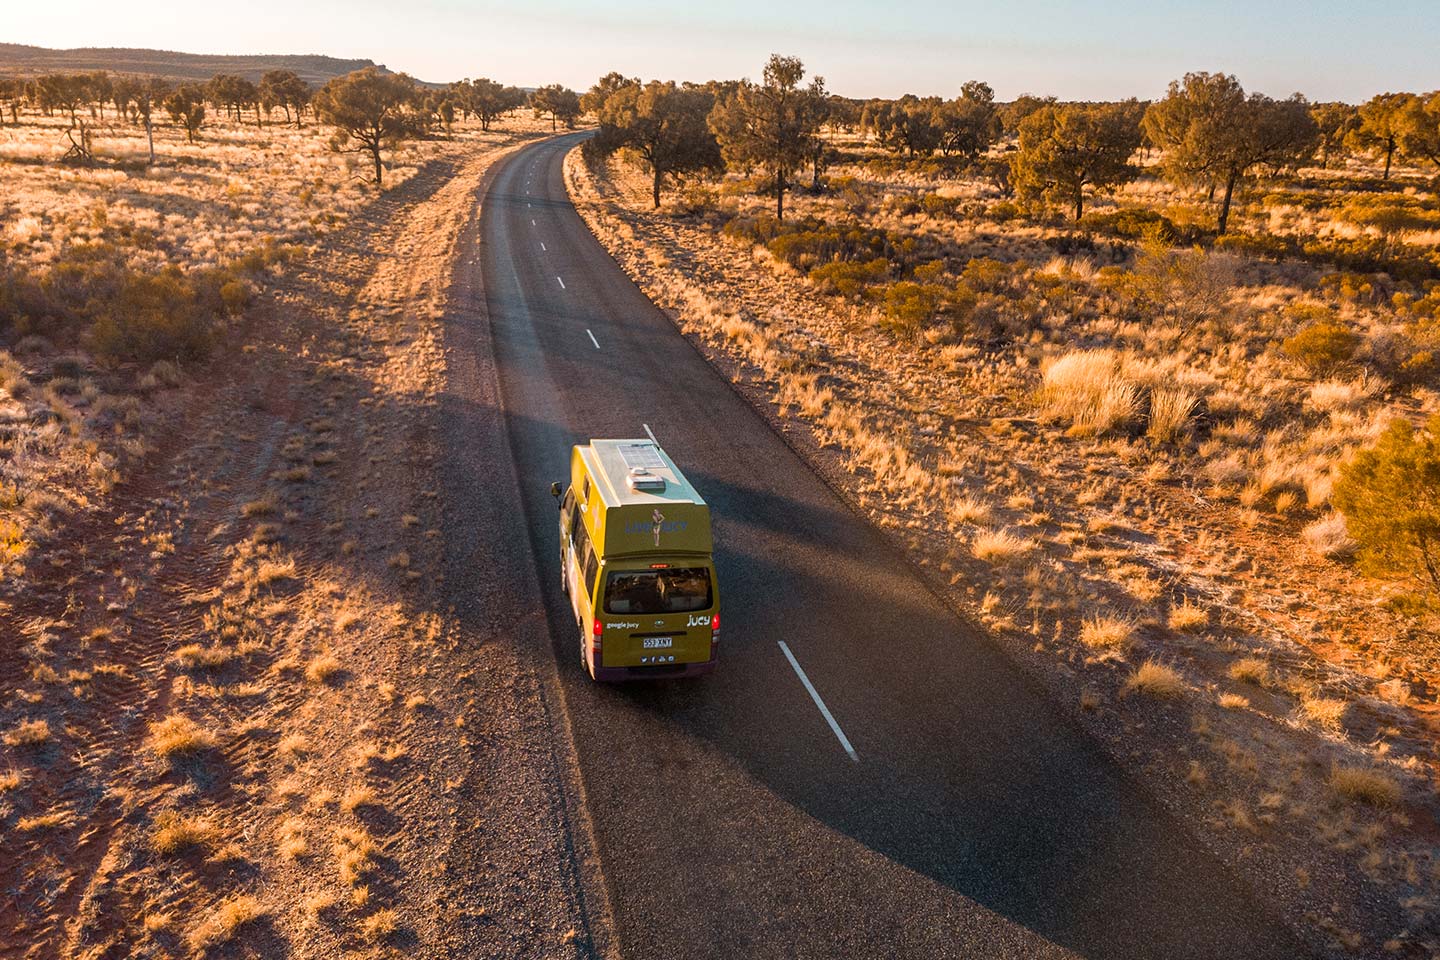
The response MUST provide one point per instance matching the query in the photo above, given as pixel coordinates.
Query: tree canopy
(370, 110)
(771, 124)
(664, 126)
(1214, 135)
(1065, 148)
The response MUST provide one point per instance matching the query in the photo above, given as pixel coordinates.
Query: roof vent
(642, 479)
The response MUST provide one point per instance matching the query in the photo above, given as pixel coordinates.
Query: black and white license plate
(657, 643)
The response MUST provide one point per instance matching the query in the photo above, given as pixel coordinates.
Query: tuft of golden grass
(53, 820)
(227, 920)
(28, 733)
(194, 656)
(1170, 411)
(321, 904)
(1251, 670)
(1107, 633)
(357, 797)
(178, 736)
(1187, 617)
(1000, 546)
(1325, 712)
(175, 833)
(1233, 701)
(293, 745)
(11, 780)
(261, 507)
(1328, 537)
(290, 838)
(1155, 679)
(273, 571)
(1365, 785)
(968, 509)
(157, 922)
(380, 926)
(355, 855)
(324, 669)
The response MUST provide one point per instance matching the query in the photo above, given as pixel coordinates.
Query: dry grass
(1108, 633)
(380, 926)
(1251, 670)
(177, 736)
(194, 656)
(175, 833)
(324, 669)
(356, 855)
(28, 733)
(357, 797)
(967, 509)
(1187, 617)
(1326, 712)
(1233, 701)
(1155, 680)
(1328, 537)
(1365, 785)
(290, 838)
(1001, 547)
(54, 820)
(226, 922)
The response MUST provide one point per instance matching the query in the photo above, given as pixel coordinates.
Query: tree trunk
(1225, 204)
(780, 197)
(1389, 154)
(150, 139)
(655, 186)
(1079, 203)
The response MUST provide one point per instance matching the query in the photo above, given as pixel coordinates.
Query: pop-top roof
(638, 471)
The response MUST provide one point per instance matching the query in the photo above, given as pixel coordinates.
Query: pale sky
(1326, 49)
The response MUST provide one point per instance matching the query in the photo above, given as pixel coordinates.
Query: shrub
(1365, 785)
(1321, 348)
(849, 279)
(1132, 222)
(1390, 496)
(910, 306)
(1155, 680)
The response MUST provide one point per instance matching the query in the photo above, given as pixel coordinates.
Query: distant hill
(17, 58)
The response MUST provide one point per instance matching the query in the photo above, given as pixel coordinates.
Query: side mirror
(555, 490)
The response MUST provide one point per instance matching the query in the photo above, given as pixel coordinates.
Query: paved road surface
(730, 821)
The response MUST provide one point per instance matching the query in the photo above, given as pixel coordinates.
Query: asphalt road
(973, 820)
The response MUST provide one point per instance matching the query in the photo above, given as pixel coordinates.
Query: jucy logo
(701, 621)
(655, 527)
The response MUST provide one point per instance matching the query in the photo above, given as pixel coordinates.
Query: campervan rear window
(676, 590)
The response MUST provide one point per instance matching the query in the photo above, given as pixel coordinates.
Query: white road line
(542, 246)
(592, 338)
(532, 223)
(561, 282)
(824, 710)
(649, 433)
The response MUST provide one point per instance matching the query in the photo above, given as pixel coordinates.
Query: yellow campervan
(635, 561)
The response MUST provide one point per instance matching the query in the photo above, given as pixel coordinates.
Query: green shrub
(157, 316)
(911, 306)
(849, 279)
(1257, 246)
(1323, 347)
(1390, 495)
(1132, 222)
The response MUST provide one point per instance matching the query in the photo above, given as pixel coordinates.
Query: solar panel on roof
(643, 455)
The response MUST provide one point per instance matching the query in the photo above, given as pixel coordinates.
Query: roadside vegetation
(220, 339)
(1150, 387)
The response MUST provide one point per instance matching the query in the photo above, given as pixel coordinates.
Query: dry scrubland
(238, 717)
(1110, 447)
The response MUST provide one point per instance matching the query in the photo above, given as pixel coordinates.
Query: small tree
(969, 124)
(147, 95)
(1335, 124)
(1382, 123)
(593, 100)
(489, 100)
(560, 102)
(769, 125)
(370, 112)
(910, 125)
(662, 125)
(1065, 148)
(186, 106)
(1213, 134)
(1420, 138)
(284, 89)
(1390, 495)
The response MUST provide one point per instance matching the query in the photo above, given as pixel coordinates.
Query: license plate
(657, 643)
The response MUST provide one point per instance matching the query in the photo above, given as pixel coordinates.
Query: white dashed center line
(561, 282)
(592, 338)
(542, 246)
(814, 695)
